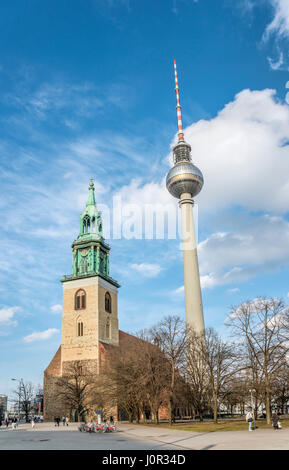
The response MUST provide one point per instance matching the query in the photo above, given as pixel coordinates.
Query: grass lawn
(222, 425)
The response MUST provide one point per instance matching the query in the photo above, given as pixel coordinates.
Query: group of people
(7, 421)
(65, 420)
(275, 420)
(15, 421)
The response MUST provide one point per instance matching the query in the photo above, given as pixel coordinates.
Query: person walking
(249, 418)
(63, 420)
(33, 423)
(13, 422)
(6, 422)
(275, 419)
(67, 420)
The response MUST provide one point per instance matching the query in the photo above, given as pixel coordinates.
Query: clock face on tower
(84, 253)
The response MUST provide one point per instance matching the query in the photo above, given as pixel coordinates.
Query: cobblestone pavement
(137, 437)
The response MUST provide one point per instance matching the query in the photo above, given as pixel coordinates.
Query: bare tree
(155, 375)
(135, 376)
(221, 361)
(76, 388)
(236, 393)
(197, 376)
(24, 394)
(122, 377)
(280, 389)
(261, 326)
(170, 336)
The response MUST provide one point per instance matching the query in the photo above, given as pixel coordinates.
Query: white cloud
(147, 269)
(57, 96)
(150, 193)
(40, 335)
(56, 308)
(260, 245)
(280, 23)
(179, 290)
(278, 29)
(6, 316)
(243, 153)
(275, 65)
(233, 291)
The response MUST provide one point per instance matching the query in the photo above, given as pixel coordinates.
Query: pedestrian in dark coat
(275, 419)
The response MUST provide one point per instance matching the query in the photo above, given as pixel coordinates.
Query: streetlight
(20, 382)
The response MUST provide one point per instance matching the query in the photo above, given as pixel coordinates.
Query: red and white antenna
(179, 112)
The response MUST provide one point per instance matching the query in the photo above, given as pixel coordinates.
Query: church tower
(89, 294)
(90, 313)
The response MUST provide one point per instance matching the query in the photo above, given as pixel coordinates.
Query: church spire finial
(91, 196)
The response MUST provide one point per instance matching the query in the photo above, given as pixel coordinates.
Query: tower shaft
(184, 181)
(192, 286)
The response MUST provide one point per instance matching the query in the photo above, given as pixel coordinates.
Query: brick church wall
(52, 406)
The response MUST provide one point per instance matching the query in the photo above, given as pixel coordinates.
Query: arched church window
(86, 224)
(79, 328)
(108, 302)
(107, 328)
(80, 299)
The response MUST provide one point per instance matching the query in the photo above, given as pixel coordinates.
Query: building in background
(3, 406)
(38, 404)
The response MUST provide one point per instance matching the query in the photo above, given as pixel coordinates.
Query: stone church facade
(90, 311)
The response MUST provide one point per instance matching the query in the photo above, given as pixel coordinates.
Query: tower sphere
(184, 177)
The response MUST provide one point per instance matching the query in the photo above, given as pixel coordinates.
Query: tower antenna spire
(179, 111)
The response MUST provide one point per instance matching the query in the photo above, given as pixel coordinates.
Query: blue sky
(87, 90)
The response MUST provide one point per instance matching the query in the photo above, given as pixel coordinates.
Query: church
(90, 312)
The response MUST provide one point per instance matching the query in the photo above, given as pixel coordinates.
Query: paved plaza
(46, 436)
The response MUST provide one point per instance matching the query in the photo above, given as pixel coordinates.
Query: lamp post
(20, 382)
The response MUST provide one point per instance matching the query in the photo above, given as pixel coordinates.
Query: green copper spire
(89, 250)
(91, 197)
(90, 218)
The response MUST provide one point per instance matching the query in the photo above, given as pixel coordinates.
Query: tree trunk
(256, 409)
(215, 410)
(170, 410)
(155, 416)
(267, 404)
(138, 416)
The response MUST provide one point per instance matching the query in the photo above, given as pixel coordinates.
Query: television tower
(185, 181)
